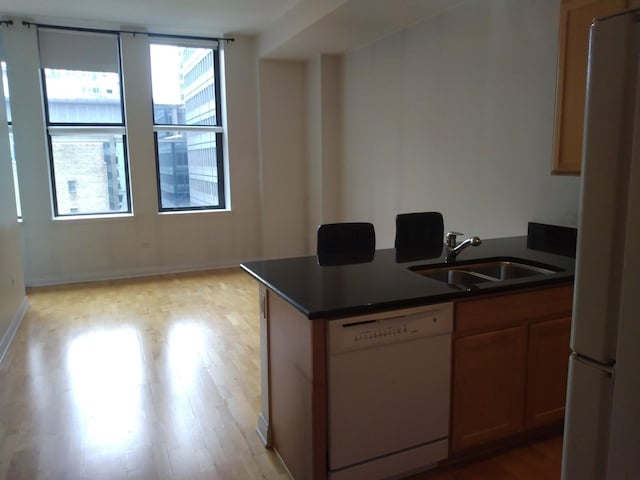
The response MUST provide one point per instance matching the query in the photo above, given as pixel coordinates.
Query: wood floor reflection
(154, 378)
(144, 378)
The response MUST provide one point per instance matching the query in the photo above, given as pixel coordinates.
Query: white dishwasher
(388, 392)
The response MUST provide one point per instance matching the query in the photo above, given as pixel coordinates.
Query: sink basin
(505, 270)
(466, 275)
(455, 277)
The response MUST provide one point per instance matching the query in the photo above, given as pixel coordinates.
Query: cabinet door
(634, 4)
(547, 371)
(488, 386)
(576, 17)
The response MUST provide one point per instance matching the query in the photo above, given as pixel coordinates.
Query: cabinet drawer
(507, 309)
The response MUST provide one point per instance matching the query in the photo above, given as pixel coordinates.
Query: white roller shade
(70, 50)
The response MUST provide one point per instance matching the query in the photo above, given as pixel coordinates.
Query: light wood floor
(539, 460)
(158, 378)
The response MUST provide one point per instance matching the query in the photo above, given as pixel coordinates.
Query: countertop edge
(358, 310)
(267, 284)
(322, 292)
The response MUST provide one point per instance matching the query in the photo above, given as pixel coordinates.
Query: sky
(165, 71)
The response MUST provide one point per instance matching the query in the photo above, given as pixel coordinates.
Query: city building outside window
(85, 122)
(5, 86)
(188, 126)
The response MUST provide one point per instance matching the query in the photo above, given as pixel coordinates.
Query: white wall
(283, 149)
(314, 150)
(324, 143)
(57, 251)
(12, 293)
(455, 114)
(13, 301)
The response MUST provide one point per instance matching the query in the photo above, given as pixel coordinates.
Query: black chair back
(347, 242)
(419, 231)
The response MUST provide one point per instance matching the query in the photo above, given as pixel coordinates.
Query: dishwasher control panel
(373, 334)
(389, 327)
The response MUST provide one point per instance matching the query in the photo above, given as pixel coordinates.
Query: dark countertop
(386, 283)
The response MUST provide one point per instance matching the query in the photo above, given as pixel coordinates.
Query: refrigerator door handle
(608, 368)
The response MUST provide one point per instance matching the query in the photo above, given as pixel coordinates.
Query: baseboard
(263, 431)
(123, 274)
(9, 335)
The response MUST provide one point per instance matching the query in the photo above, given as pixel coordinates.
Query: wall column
(324, 143)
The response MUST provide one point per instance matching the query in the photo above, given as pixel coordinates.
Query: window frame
(108, 128)
(218, 129)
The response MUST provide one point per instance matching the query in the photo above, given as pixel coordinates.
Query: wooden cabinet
(548, 354)
(293, 419)
(576, 17)
(488, 386)
(510, 359)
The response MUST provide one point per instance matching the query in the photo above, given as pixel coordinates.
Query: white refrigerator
(602, 422)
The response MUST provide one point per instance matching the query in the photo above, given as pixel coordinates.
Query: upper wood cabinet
(576, 16)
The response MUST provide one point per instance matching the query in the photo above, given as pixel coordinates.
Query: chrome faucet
(453, 249)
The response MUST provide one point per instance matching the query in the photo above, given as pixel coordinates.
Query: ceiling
(284, 28)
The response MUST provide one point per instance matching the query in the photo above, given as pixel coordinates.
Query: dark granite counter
(338, 288)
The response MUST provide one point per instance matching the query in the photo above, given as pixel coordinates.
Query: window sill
(102, 217)
(196, 212)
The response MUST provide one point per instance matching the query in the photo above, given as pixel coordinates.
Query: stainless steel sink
(487, 271)
(506, 270)
(455, 277)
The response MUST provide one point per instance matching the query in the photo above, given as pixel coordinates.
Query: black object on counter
(552, 238)
(418, 231)
(347, 238)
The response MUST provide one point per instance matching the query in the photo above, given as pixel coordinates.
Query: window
(85, 122)
(188, 127)
(5, 86)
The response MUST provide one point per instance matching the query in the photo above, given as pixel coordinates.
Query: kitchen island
(300, 297)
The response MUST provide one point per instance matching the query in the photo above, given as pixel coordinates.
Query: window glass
(189, 131)
(78, 97)
(184, 85)
(90, 173)
(5, 86)
(187, 166)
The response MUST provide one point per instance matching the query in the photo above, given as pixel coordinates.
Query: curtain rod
(6, 22)
(134, 32)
